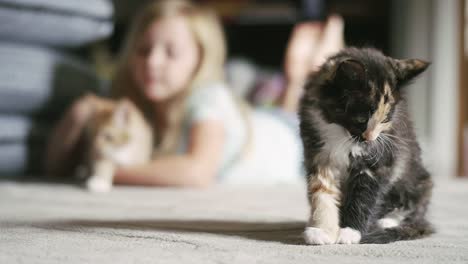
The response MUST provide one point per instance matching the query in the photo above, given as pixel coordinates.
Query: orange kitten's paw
(98, 185)
(316, 236)
(349, 236)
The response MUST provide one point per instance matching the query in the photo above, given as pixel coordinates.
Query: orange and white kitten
(116, 134)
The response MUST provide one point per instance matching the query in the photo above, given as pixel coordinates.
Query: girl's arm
(197, 168)
(63, 139)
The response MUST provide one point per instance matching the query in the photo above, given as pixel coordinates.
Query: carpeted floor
(57, 223)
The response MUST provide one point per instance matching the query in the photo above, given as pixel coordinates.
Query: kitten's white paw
(316, 236)
(388, 223)
(98, 185)
(349, 236)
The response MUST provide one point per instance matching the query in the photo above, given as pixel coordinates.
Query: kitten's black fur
(385, 174)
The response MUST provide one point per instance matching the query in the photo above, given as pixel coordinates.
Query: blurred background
(51, 52)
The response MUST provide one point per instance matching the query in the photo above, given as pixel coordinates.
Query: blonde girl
(172, 68)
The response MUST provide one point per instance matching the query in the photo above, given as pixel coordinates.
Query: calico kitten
(117, 134)
(366, 181)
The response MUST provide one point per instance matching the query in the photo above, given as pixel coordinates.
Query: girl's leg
(299, 55)
(310, 45)
(331, 41)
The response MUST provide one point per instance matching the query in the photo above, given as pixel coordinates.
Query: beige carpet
(58, 223)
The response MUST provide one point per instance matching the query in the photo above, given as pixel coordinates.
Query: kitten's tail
(406, 231)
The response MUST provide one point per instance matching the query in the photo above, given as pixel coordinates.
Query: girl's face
(165, 58)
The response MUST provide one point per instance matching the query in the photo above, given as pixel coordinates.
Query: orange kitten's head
(109, 128)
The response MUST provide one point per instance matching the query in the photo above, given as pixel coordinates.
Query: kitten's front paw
(348, 236)
(316, 236)
(98, 185)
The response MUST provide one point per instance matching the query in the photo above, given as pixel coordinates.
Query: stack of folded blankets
(39, 78)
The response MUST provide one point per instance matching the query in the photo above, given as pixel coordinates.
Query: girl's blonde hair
(209, 36)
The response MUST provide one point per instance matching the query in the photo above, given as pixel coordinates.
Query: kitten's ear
(408, 69)
(350, 73)
(122, 112)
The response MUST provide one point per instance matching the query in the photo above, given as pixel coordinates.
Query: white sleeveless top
(273, 154)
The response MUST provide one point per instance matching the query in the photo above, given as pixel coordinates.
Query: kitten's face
(110, 129)
(111, 137)
(363, 90)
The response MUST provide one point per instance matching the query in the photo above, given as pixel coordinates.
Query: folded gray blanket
(100, 9)
(21, 158)
(16, 129)
(56, 23)
(22, 144)
(37, 80)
